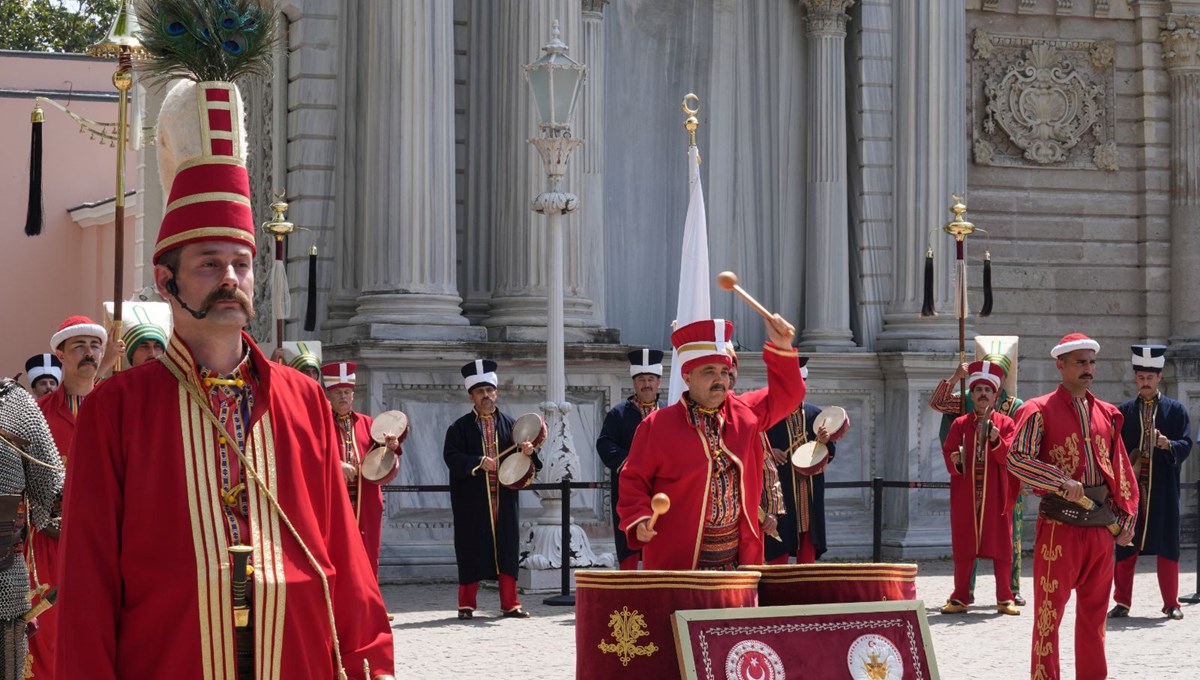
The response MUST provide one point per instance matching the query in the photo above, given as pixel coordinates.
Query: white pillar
(1181, 55)
(827, 229)
(407, 229)
(931, 165)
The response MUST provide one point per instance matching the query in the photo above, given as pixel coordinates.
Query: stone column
(1181, 55)
(589, 221)
(518, 307)
(407, 227)
(827, 251)
(930, 136)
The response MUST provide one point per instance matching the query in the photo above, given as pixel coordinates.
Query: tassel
(33, 215)
(281, 295)
(987, 285)
(927, 305)
(310, 310)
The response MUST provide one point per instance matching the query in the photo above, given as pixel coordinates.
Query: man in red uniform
(976, 452)
(705, 454)
(354, 431)
(79, 344)
(242, 459)
(1068, 445)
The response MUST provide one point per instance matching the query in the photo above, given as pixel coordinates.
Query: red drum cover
(623, 619)
(832, 583)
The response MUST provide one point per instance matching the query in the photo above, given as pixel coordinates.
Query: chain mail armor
(42, 486)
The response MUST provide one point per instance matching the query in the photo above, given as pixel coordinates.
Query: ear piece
(172, 288)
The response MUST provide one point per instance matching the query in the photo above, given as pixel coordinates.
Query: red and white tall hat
(338, 374)
(1072, 342)
(988, 372)
(75, 326)
(703, 342)
(202, 167)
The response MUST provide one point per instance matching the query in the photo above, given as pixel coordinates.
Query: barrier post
(877, 522)
(565, 598)
(1194, 598)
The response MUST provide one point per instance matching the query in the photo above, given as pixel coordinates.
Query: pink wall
(67, 269)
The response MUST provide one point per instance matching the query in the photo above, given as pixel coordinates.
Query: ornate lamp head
(555, 80)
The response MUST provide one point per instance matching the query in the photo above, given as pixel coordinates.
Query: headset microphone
(173, 289)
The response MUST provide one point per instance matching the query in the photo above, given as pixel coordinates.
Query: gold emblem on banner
(627, 628)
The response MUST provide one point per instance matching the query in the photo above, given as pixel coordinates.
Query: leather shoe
(1018, 600)
(1008, 608)
(517, 613)
(464, 613)
(1174, 613)
(954, 607)
(1118, 612)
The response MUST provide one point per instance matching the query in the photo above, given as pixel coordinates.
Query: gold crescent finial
(691, 124)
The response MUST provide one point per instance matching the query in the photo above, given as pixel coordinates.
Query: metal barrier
(876, 484)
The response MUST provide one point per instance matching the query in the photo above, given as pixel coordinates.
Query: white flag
(694, 281)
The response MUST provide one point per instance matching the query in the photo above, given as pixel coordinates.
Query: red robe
(370, 494)
(42, 552)
(670, 455)
(145, 579)
(987, 532)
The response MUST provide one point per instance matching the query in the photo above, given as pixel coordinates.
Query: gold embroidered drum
(623, 619)
(834, 583)
(836, 422)
(810, 458)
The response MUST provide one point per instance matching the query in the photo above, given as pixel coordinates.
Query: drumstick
(660, 504)
(729, 281)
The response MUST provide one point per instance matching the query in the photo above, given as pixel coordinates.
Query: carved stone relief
(1043, 103)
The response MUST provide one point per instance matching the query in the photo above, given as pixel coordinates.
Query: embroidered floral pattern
(1066, 457)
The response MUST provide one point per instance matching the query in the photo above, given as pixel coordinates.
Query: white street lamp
(555, 81)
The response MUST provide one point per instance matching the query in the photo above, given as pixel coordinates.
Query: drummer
(704, 453)
(354, 429)
(802, 525)
(486, 514)
(616, 436)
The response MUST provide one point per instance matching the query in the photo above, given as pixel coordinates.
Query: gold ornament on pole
(280, 228)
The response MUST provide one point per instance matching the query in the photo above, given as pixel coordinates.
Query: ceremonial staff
(121, 42)
(960, 229)
(281, 297)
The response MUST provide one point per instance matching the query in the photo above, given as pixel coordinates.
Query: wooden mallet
(660, 504)
(729, 281)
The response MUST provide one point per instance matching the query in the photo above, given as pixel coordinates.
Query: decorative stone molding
(1043, 103)
(826, 16)
(260, 116)
(1181, 41)
(595, 6)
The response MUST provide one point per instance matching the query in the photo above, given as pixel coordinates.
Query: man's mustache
(88, 360)
(1089, 376)
(230, 295)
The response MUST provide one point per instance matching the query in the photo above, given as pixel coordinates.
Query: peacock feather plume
(207, 40)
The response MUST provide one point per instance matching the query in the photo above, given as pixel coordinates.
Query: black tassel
(927, 305)
(33, 215)
(987, 285)
(310, 310)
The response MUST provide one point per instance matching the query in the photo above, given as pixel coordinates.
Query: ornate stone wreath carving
(1043, 103)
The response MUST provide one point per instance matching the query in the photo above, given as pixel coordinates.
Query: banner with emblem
(860, 640)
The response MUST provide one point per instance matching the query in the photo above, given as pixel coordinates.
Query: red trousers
(964, 569)
(805, 552)
(1067, 558)
(1168, 581)
(508, 594)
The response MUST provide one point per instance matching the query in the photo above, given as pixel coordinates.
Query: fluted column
(407, 227)
(1181, 55)
(930, 133)
(827, 251)
(586, 274)
(521, 275)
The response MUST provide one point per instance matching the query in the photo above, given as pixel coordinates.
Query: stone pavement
(981, 645)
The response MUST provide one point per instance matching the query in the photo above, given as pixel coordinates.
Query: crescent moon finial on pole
(691, 106)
